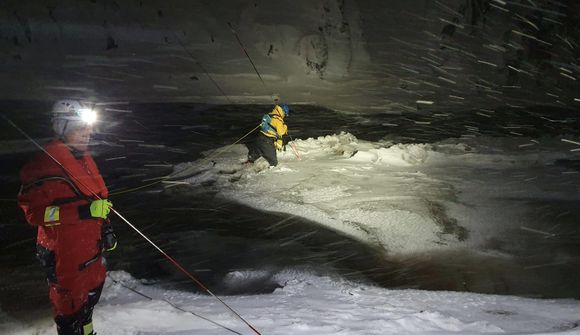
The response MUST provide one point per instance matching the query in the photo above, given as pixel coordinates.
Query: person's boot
(68, 325)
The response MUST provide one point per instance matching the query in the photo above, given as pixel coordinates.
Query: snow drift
(403, 198)
(311, 304)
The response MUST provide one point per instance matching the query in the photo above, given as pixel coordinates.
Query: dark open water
(212, 237)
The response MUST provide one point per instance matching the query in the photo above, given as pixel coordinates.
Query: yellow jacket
(277, 127)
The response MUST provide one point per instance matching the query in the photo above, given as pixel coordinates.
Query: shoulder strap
(267, 126)
(59, 201)
(38, 182)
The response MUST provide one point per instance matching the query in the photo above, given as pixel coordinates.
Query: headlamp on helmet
(68, 115)
(88, 116)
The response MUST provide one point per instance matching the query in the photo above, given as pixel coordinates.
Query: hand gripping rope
(169, 258)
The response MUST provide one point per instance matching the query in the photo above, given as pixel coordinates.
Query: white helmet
(68, 115)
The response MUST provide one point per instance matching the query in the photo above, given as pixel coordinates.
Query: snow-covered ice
(404, 198)
(311, 304)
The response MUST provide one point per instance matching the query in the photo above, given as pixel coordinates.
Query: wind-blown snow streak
(349, 55)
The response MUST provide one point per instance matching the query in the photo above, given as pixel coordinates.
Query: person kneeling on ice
(270, 138)
(64, 195)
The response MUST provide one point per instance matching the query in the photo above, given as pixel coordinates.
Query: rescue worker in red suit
(68, 205)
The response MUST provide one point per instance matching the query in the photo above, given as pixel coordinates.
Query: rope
(116, 193)
(170, 304)
(199, 64)
(184, 271)
(294, 149)
(171, 259)
(212, 156)
(165, 178)
(247, 55)
(231, 145)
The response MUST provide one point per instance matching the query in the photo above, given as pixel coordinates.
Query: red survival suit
(69, 247)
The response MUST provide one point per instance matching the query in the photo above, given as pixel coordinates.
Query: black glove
(108, 237)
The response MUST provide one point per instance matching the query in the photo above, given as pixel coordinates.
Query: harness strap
(42, 180)
(278, 136)
(60, 201)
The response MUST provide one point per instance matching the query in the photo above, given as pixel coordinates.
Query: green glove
(100, 208)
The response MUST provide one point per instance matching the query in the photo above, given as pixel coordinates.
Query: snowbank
(310, 304)
(404, 198)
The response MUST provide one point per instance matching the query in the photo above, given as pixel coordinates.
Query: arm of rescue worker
(279, 144)
(281, 129)
(280, 126)
(42, 208)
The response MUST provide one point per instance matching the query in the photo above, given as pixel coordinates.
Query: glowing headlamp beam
(88, 116)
